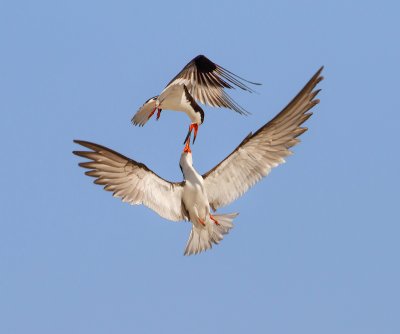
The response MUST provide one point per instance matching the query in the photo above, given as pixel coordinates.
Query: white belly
(173, 98)
(196, 201)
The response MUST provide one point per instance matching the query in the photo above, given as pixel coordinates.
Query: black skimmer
(200, 80)
(195, 197)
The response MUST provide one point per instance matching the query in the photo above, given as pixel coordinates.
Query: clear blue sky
(316, 246)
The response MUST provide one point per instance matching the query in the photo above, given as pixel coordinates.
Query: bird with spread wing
(194, 198)
(200, 80)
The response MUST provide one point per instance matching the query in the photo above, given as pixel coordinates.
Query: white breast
(195, 197)
(173, 98)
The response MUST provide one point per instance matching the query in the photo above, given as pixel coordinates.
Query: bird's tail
(202, 237)
(145, 112)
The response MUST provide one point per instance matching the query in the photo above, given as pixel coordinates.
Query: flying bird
(200, 80)
(197, 195)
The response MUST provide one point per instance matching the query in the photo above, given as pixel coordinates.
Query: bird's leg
(214, 220)
(201, 222)
(152, 113)
(158, 114)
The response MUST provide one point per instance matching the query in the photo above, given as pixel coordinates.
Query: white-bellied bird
(194, 198)
(200, 80)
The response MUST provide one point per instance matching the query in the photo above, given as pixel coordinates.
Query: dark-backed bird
(194, 198)
(200, 80)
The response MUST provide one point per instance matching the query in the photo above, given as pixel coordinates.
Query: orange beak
(187, 147)
(195, 127)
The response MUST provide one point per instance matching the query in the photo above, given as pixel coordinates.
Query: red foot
(158, 114)
(201, 222)
(152, 113)
(214, 220)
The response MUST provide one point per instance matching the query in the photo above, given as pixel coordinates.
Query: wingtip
(81, 142)
(318, 74)
(246, 113)
(136, 122)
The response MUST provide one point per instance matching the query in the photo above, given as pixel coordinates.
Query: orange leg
(152, 113)
(214, 220)
(201, 222)
(158, 113)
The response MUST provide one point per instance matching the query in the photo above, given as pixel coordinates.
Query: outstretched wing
(206, 81)
(260, 152)
(132, 181)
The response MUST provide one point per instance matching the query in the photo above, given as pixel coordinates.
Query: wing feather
(143, 114)
(206, 81)
(132, 181)
(258, 153)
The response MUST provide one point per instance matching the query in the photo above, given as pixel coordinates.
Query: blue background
(315, 248)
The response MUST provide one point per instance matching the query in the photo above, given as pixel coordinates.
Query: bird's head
(186, 158)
